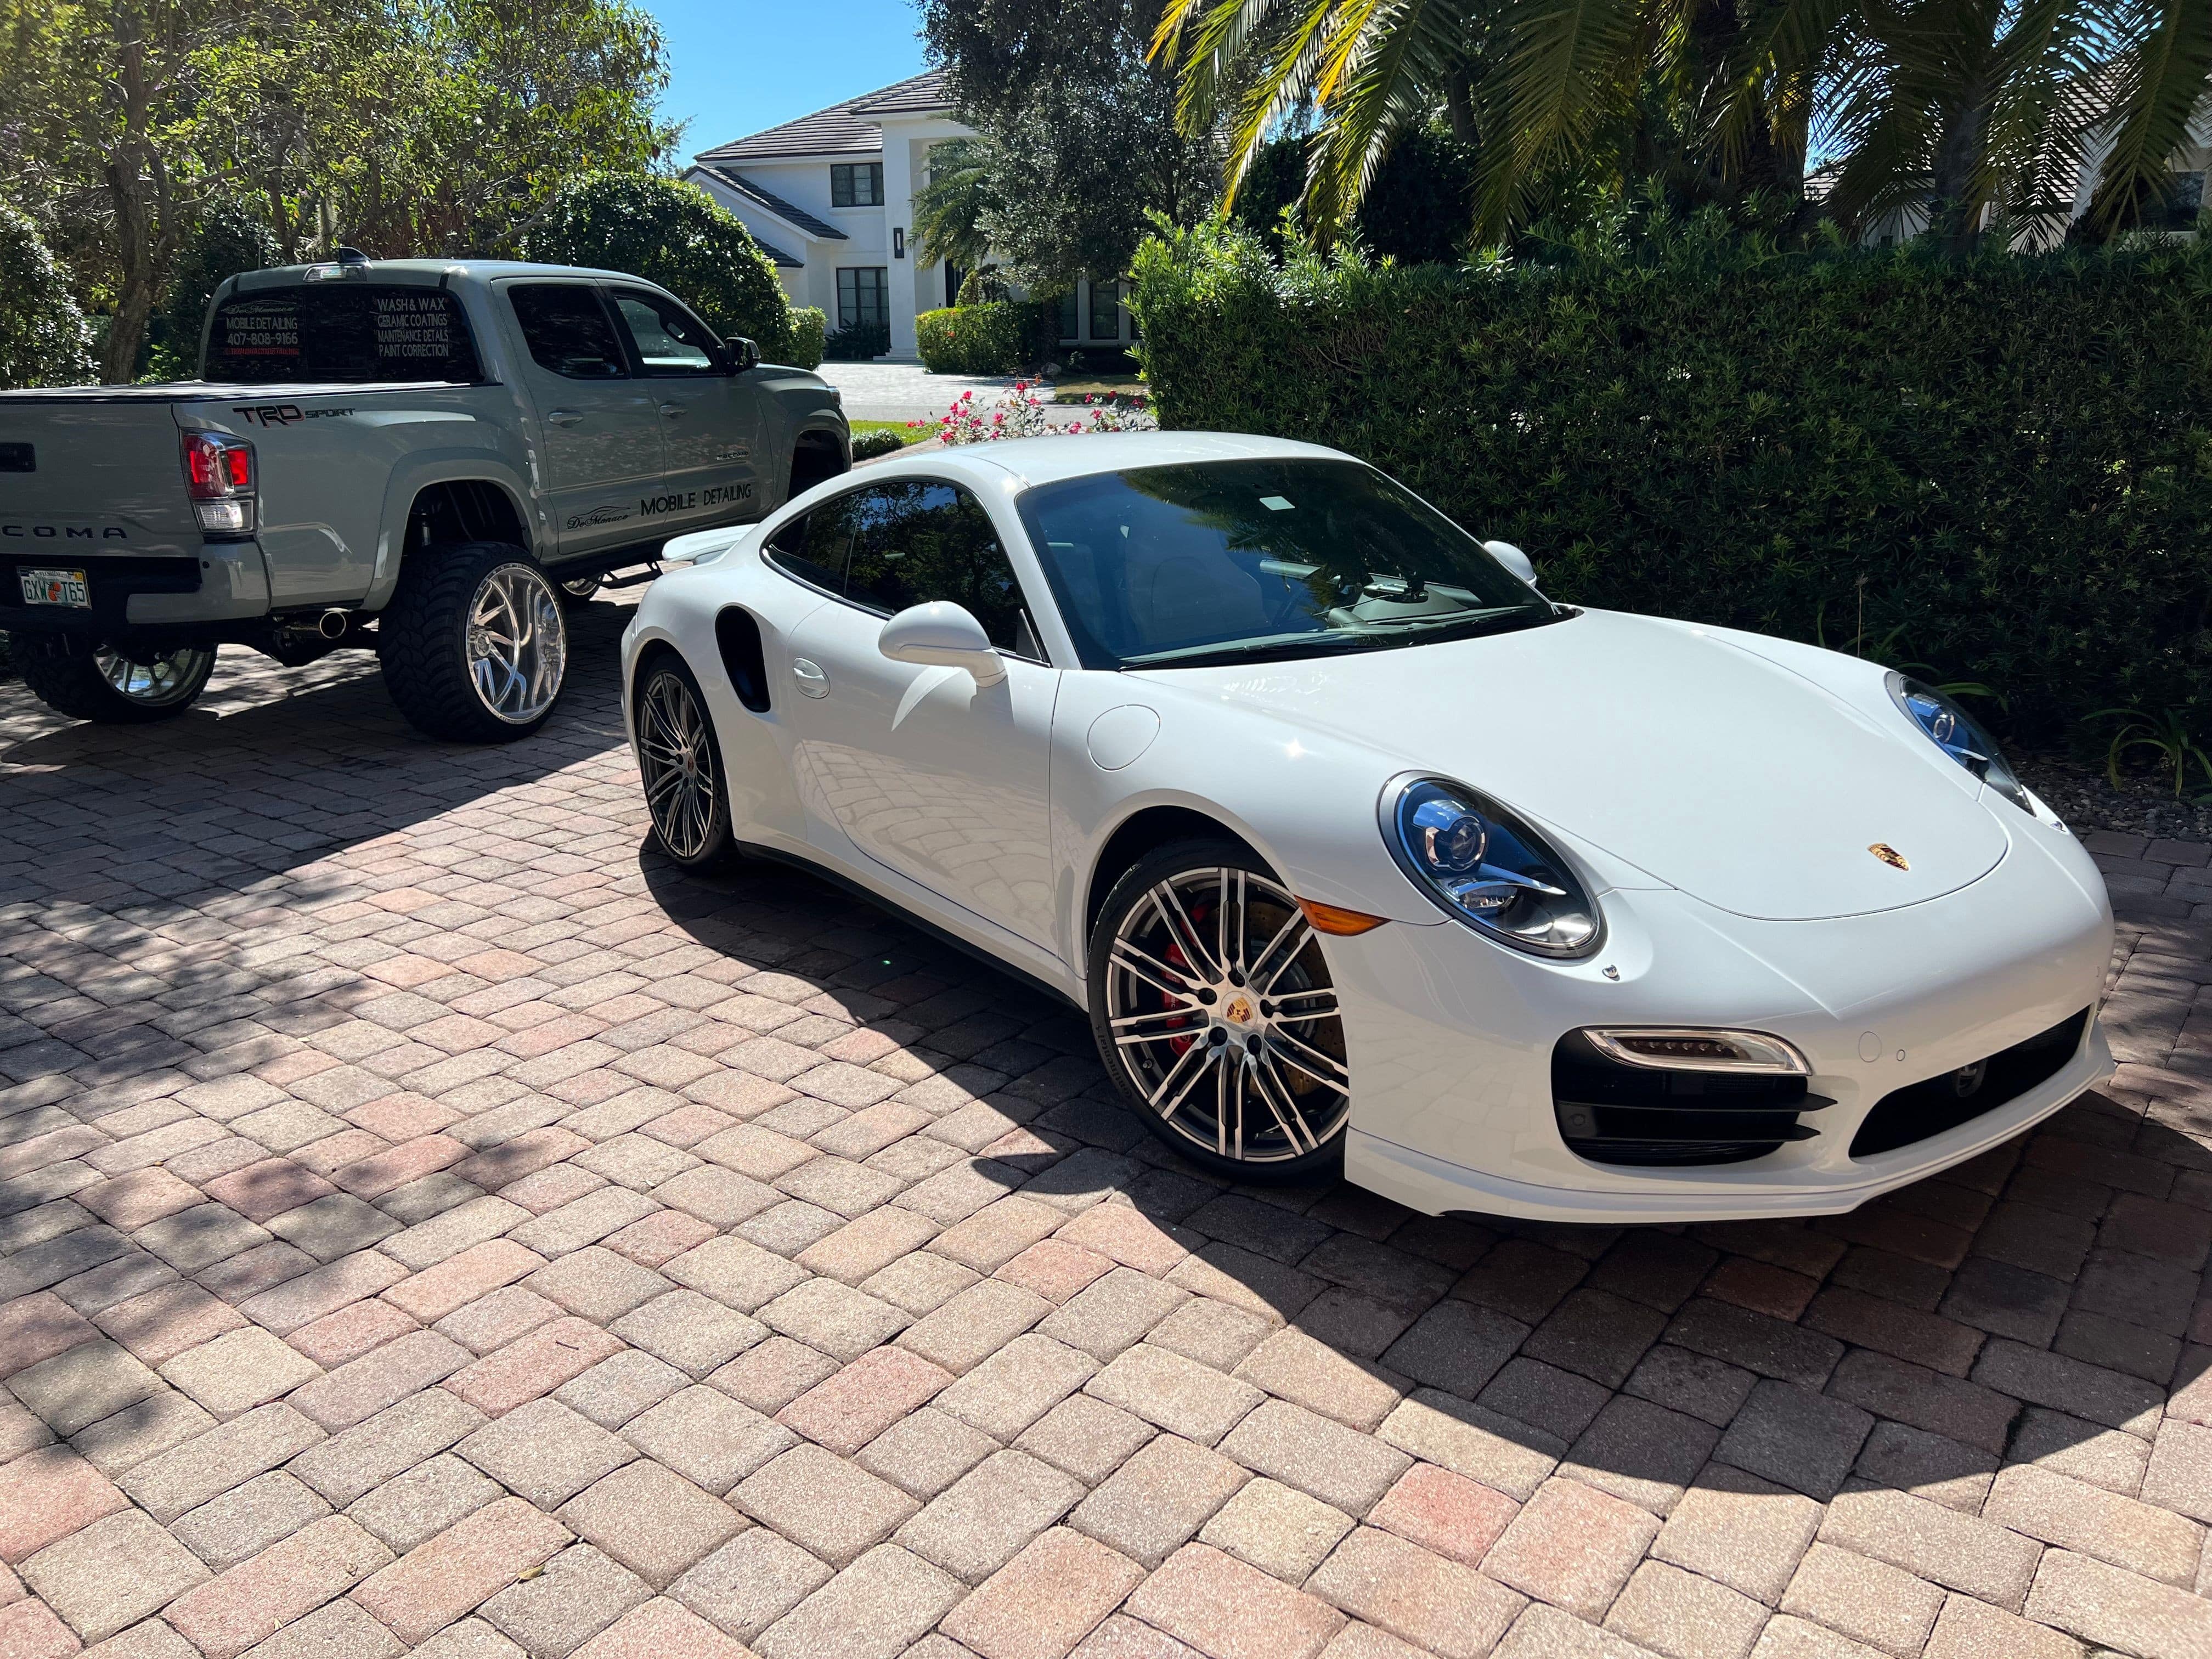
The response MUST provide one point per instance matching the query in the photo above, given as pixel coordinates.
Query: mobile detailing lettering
(690, 500)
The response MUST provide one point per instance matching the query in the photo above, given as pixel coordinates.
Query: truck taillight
(219, 477)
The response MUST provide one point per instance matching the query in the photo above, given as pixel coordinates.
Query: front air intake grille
(1921, 1109)
(1641, 1115)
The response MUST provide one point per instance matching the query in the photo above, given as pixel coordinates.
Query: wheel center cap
(479, 643)
(1239, 1011)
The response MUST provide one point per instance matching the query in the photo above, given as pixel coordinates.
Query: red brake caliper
(1177, 960)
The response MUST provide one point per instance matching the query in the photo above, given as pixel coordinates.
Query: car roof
(431, 269)
(1047, 460)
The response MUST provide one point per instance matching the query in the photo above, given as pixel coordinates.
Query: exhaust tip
(332, 624)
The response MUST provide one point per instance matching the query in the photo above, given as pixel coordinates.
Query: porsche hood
(1713, 769)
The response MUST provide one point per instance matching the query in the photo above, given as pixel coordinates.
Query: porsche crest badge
(1889, 855)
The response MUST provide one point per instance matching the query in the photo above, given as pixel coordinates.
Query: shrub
(2013, 455)
(230, 238)
(1000, 337)
(1019, 412)
(869, 445)
(861, 343)
(671, 234)
(44, 340)
(802, 347)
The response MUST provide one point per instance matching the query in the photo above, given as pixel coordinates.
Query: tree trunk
(1954, 216)
(1459, 106)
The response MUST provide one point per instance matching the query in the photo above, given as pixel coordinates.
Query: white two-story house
(830, 197)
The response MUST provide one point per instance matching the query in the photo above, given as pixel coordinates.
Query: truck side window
(566, 330)
(669, 339)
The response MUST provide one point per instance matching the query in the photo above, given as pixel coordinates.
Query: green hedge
(2014, 453)
(802, 347)
(1000, 337)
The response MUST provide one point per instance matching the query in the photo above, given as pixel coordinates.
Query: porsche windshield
(1230, 561)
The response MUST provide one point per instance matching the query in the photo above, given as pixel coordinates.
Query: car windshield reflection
(1230, 561)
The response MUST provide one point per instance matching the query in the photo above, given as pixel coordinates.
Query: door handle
(671, 410)
(812, 681)
(564, 417)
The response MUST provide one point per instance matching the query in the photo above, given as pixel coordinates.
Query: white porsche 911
(1357, 847)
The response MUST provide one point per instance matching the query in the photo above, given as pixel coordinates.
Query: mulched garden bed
(2085, 799)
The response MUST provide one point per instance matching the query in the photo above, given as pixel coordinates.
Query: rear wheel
(681, 764)
(474, 645)
(1215, 1014)
(118, 685)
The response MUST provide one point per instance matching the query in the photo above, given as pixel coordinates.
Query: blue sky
(736, 66)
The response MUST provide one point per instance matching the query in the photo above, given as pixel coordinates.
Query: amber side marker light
(1335, 919)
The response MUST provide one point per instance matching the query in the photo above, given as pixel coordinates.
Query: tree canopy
(1961, 114)
(399, 126)
(1077, 144)
(669, 233)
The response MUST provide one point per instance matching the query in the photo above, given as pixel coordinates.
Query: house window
(1070, 321)
(1105, 311)
(857, 184)
(863, 297)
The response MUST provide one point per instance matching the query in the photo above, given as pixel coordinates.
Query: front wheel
(474, 645)
(1214, 1013)
(682, 766)
(118, 685)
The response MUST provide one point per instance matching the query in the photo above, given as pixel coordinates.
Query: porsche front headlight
(1482, 864)
(1952, 730)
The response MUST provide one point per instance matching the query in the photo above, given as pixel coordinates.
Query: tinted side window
(669, 339)
(566, 330)
(918, 541)
(814, 547)
(343, 332)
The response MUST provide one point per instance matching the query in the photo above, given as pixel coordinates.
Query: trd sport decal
(283, 414)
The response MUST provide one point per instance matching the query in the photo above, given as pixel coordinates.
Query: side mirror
(1513, 559)
(943, 634)
(743, 352)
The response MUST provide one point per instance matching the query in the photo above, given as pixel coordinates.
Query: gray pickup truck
(423, 456)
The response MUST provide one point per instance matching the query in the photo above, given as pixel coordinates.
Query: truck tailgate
(92, 472)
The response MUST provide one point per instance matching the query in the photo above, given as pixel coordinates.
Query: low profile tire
(474, 644)
(117, 686)
(681, 763)
(1216, 1016)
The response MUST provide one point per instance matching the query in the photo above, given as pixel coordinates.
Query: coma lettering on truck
(72, 532)
(715, 495)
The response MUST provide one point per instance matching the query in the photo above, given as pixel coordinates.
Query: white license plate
(63, 587)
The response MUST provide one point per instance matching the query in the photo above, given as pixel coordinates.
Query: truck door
(598, 424)
(712, 437)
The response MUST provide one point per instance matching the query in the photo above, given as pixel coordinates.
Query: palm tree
(949, 207)
(1964, 109)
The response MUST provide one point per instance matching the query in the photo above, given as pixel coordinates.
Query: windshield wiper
(1303, 645)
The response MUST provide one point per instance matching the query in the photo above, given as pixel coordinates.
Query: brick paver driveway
(430, 1222)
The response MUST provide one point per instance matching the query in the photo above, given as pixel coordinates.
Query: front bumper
(1451, 1037)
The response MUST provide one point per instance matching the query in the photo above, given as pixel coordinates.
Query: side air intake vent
(1648, 1116)
(739, 637)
